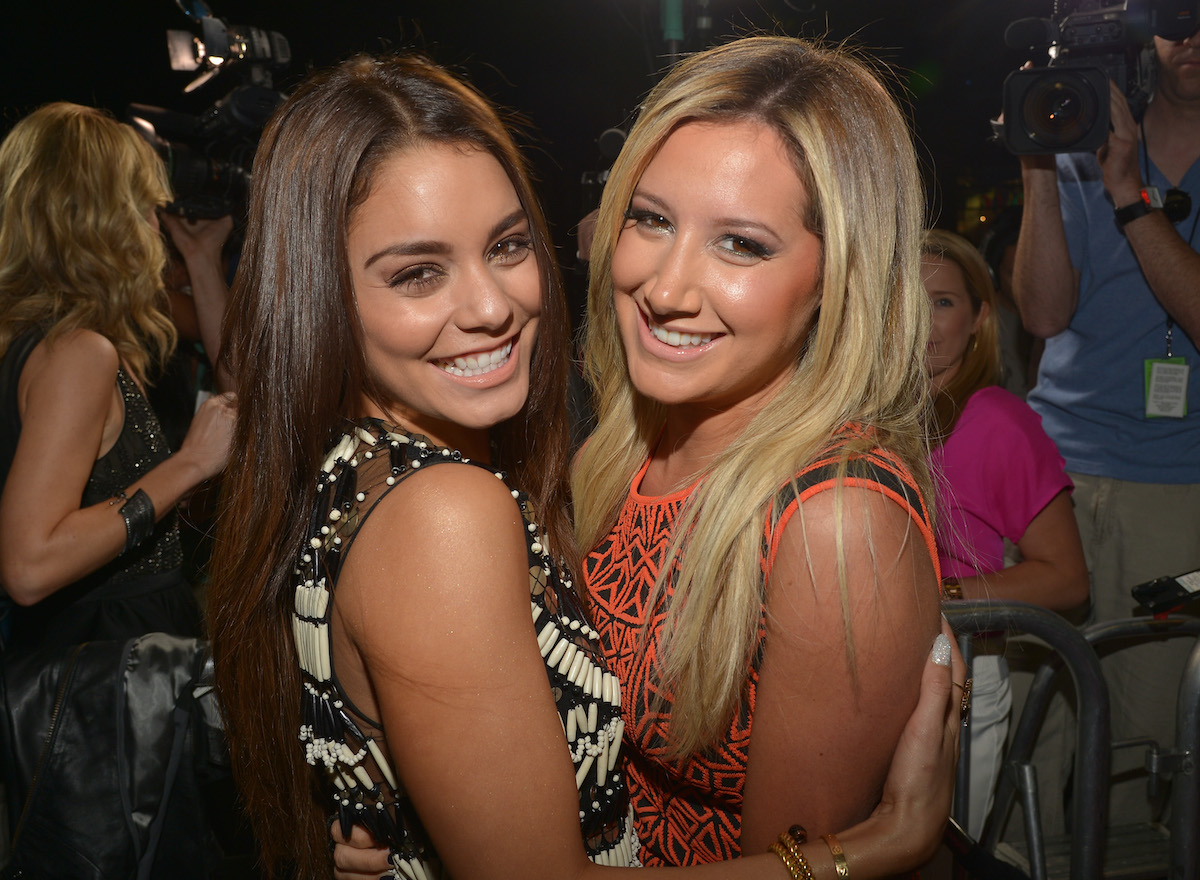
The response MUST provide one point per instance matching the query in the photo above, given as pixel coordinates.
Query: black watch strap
(1131, 212)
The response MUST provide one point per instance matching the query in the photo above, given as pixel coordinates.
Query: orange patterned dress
(690, 813)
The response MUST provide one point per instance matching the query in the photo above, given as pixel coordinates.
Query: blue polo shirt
(1090, 391)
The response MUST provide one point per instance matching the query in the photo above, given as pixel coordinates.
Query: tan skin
(436, 650)
(71, 414)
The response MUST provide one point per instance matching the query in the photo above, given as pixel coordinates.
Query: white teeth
(477, 364)
(675, 338)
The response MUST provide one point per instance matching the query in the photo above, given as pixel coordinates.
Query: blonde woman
(89, 547)
(762, 566)
(999, 477)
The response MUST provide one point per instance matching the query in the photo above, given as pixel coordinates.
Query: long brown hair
(78, 249)
(980, 365)
(294, 347)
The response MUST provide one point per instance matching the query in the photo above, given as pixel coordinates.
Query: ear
(984, 310)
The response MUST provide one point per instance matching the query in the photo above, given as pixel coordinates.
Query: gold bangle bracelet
(788, 840)
(839, 856)
(788, 860)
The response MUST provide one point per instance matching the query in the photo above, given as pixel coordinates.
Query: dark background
(573, 68)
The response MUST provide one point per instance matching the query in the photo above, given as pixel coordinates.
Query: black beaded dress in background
(142, 590)
(362, 468)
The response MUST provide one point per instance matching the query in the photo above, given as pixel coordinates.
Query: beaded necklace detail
(359, 471)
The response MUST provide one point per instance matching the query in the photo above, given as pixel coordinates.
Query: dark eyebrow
(439, 248)
(505, 222)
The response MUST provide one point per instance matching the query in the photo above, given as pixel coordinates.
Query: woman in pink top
(998, 476)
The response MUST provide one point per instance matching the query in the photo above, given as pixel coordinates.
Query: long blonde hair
(980, 365)
(77, 247)
(863, 360)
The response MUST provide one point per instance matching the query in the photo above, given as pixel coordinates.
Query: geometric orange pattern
(689, 812)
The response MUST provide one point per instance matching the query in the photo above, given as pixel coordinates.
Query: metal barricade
(1090, 805)
(1178, 761)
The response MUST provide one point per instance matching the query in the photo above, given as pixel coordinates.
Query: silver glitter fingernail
(941, 650)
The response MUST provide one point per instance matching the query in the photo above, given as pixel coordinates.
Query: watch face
(1178, 204)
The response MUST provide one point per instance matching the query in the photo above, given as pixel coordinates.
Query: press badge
(1166, 387)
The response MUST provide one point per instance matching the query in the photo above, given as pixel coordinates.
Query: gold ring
(965, 706)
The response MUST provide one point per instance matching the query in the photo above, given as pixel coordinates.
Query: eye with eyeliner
(416, 278)
(741, 246)
(646, 218)
(512, 250)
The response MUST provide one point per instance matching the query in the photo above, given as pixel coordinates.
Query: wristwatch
(1151, 200)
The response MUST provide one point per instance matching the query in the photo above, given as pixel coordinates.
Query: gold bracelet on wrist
(951, 588)
(789, 862)
(787, 847)
(839, 855)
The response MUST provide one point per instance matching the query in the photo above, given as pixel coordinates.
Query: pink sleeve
(1005, 461)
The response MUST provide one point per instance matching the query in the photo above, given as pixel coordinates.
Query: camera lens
(1060, 110)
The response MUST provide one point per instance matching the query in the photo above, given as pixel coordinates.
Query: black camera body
(1064, 106)
(208, 156)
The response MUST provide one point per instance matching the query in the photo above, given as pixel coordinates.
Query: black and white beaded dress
(362, 468)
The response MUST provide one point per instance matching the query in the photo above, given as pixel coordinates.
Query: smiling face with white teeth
(448, 290)
(715, 276)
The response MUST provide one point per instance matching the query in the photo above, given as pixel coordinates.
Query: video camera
(1064, 106)
(208, 156)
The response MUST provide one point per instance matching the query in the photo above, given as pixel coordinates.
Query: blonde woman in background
(90, 553)
(999, 477)
(89, 546)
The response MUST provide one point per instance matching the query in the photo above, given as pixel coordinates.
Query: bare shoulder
(77, 346)
(863, 537)
(452, 531)
(78, 356)
(73, 376)
(450, 497)
(859, 513)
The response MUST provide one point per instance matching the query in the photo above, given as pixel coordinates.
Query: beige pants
(1132, 532)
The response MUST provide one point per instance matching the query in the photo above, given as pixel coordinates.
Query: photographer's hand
(200, 243)
(1119, 156)
(1165, 256)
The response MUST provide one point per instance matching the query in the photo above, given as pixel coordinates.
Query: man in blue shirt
(1111, 280)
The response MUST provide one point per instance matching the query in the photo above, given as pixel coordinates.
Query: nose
(674, 286)
(483, 303)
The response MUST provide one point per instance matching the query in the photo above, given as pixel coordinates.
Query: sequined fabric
(361, 469)
(140, 447)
